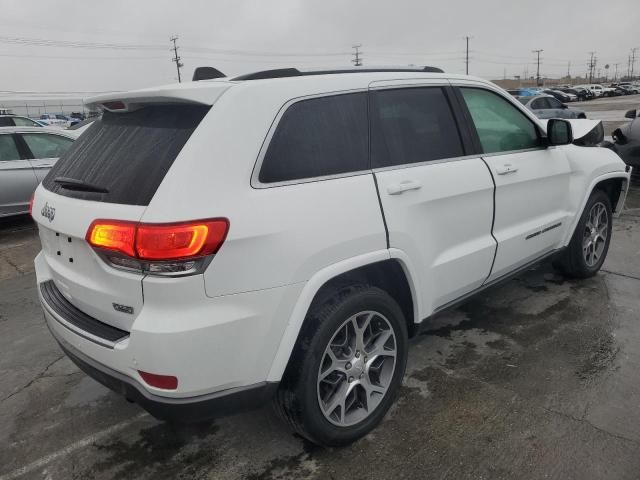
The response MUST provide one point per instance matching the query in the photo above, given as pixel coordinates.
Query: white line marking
(71, 448)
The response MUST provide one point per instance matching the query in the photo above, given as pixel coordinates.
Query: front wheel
(346, 368)
(589, 244)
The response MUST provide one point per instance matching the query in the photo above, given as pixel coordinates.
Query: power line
(357, 60)
(176, 58)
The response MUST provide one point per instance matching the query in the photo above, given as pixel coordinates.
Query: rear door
(127, 154)
(44, 150)
(437, 199)
(17, 179)
(532, 181)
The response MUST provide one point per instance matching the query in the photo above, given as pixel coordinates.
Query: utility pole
(538, 83)
(633, 60)
(592, 65)
(176, 58)
(357, 60)
(615, 75)
(467, 54)
(569, 70)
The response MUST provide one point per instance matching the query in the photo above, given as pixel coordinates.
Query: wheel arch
(378, 269)
(615, 185)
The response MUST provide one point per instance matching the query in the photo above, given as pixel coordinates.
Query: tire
(583, 258)
(305, 400)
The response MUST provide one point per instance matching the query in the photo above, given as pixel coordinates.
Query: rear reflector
(168, 241)
(166, 382)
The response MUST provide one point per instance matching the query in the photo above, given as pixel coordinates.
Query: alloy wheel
(357, 368)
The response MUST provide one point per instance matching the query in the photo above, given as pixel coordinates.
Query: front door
(532, 181)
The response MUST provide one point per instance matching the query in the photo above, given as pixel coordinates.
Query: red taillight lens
(159, 241)
(181, 240)
(114, 105)
(166, 382)
(31, 205)
(113, 235)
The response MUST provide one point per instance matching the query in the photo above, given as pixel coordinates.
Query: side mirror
(631, 114)
(559, 132)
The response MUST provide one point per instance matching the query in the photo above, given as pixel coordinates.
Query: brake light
(115, 105)
(159, 241)
(166, 382)
(168, 242)
(31, 205)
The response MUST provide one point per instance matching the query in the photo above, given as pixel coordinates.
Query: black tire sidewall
(598, 196)
(315, 424)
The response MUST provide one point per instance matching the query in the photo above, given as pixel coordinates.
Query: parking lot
(536, 378)
(610, 110)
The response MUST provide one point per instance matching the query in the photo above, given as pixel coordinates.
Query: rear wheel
(346, 368)
(590, 242)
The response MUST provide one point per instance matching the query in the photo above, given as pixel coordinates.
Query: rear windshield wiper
(79, 185)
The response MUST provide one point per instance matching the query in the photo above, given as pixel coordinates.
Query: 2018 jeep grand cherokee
(210, 246)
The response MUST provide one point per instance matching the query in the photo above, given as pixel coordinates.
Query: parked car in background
(546, 106)
(626, 140)
(361, 174)
(522, 92)
(582, 94)
(17, 121)
(26, 156)
(561, 96)
(52, 120)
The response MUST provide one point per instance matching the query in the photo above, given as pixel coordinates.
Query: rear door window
(8, 149)
(24, 122)
(44, 145)
(412, 125)
(318, 137)
(127, 153)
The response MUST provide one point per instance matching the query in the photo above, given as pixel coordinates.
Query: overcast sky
(52, 45)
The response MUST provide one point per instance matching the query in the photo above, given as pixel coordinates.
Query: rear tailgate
(84, 279)
(111, 173)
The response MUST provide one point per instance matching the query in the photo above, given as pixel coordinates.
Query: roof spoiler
(206, 73)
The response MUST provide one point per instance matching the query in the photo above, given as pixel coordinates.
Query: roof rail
(294, 72)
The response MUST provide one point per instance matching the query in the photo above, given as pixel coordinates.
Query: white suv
(210, 246)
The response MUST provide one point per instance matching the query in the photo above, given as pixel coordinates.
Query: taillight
(31, 205)
(113, 235)
(169, 248)
(169, 242)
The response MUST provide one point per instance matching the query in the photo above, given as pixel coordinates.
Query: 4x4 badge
(48, 212)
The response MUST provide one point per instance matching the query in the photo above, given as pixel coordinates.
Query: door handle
(506, 169)
(405, 185)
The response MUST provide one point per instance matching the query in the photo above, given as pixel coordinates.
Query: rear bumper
(183, 410)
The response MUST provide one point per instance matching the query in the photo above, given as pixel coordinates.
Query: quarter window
(500, 125)
(318, 137)
(412, 125)
(43, 145)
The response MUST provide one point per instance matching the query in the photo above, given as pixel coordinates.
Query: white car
(211, 246)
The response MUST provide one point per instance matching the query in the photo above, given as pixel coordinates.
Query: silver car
(26, 156)
(546, 106)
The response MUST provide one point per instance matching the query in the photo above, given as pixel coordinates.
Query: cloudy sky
(94, 46)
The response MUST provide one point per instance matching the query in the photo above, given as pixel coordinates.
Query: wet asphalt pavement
(536, 378)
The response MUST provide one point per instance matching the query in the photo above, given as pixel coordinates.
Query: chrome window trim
(420, 83)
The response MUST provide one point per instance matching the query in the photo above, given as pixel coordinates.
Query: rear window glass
(318, 137)
(127, 153)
